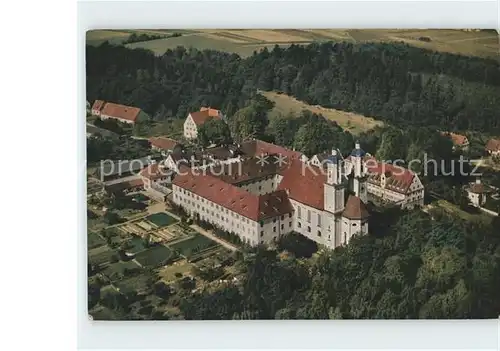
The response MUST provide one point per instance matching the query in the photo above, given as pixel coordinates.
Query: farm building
(459, 141)
(126, 114)
(163, 144)
(196, 119)
(118, 169)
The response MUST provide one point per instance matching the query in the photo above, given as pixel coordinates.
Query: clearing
(352, 122)
(168, 273)
(456, 211)
(487, 162)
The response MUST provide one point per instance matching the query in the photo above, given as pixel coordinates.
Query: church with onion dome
(264, 201)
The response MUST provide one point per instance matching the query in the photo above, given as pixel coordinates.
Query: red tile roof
(233, 198)
(163, 143)
(245, 170)
(98, 104)
(398, 178)
(274, 204)
(203, 115)
(211, 111)
(304, 184)
(258, 147)
(355, 208)
(493, 145)
(457, 139)
(120, 111)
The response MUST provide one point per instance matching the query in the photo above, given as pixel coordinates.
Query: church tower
(359, 173)
(334, 188)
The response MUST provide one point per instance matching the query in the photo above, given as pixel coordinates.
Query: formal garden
(161, 219)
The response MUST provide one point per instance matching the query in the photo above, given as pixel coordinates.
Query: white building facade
(195, 119)
(261, 209)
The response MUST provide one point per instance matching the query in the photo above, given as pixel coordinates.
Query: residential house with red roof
(459, 141)
(262, 201)
(125, 114)
(493, 147)
(163, 144)
(391, 183)
(477, 192)
(195, 120)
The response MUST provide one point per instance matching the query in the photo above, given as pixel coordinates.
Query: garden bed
(193, 245)
(161, 219)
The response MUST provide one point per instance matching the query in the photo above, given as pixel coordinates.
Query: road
(214, 238)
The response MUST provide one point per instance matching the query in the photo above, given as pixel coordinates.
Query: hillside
(353, 122)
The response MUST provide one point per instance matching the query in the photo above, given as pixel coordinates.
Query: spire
(355, 209)
(358, 151)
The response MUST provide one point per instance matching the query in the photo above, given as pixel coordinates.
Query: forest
(392, 82)
(409, 267)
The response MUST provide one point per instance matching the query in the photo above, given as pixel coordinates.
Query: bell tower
(359, 172)
(334, 200)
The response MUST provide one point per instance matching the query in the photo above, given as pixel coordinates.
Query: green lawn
(193, 245)
(155, 256)
(161, 219)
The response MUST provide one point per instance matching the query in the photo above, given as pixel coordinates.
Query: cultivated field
(96, 37)
(245, 41)
(353, 122)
